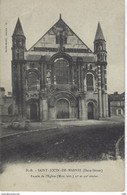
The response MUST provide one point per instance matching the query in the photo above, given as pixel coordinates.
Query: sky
(38, 16)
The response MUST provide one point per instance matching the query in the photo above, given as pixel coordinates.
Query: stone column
(18, 91)
(43, 72)
(44, 109)
(52, 113)
(41, 78)
(99, 92)
(106, 95)
(106, 99)
(82, 109)
(41, 110)
(103, 92)
(104, 104)
(28, 111)
(15, 109)
(79, 77)
(72, 74)
(23, 90)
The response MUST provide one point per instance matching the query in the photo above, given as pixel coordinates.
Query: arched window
(89, 82)
(32, 81)
(61, 67)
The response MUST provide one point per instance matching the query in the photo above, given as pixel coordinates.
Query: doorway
(33, 111)
(90, 110)
(62, 109)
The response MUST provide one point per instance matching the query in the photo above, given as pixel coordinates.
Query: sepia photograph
(62, 95)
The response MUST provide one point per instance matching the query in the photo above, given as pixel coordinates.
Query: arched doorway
(90, 110)
(33, 111)
(62, 109)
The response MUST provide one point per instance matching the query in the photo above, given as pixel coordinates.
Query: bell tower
(18, 42)
(100, 46)
(100, 51)
(18, 48)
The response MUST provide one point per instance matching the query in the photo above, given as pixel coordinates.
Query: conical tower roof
(99, 34)
(18, 29)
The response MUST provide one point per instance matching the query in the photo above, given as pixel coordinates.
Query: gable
(49, 40)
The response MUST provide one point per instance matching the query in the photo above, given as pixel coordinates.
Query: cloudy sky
(37, 16)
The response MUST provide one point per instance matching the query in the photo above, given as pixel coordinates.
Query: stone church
(59, 77)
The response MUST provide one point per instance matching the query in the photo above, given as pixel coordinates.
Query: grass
(83, 143)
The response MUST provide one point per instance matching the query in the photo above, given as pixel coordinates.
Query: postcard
(62, 95)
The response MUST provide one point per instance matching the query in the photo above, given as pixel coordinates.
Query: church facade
(59, 77)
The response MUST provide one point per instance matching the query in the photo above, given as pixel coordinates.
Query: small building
(5, 103)
(116, 104)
